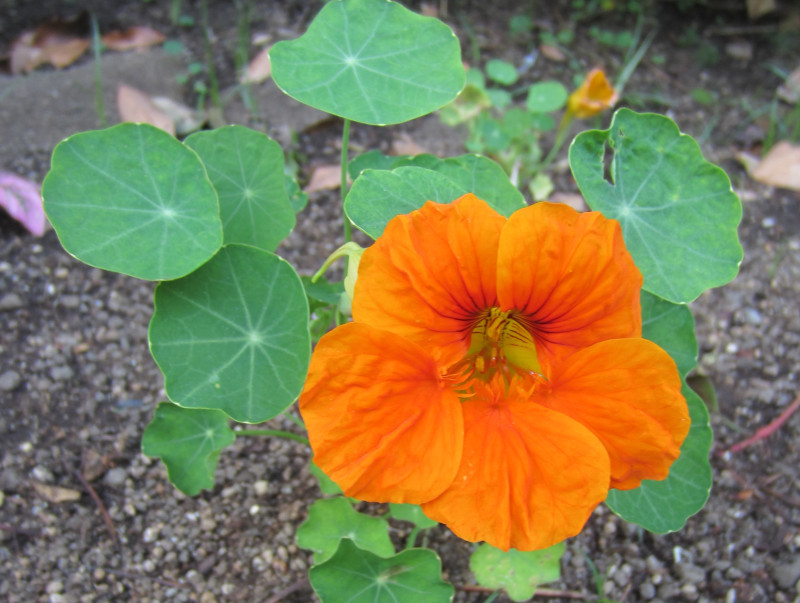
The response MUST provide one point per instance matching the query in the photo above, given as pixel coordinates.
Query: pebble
(690, 573)
(261, 487)
(9, 380)
(61, 373)
(115, 477)
(787, 574)
(647, 591)
(43, 474)
(10, 301)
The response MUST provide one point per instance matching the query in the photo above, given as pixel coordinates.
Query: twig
(135, 576)
(299, 585)
(767, 430)
(100, 505)
(541, 592)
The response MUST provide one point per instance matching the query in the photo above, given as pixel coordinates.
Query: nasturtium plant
(246, 169)
(233, 335)
(370, 61)
(188, 441)
(517, 572)
(663, 192)
(358, 576)
(331, 519)
(545, 97)
(133, 187)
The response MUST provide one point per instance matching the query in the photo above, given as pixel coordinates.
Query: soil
(78, 386)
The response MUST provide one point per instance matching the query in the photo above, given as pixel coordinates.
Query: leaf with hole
(188, 441)
(134, 200)
(379, 195)
(370, 61)
(331, 519)
(233, 335)
(678, 213)
(665, 506)
(518, 572)
(353, 575)
(246, 168)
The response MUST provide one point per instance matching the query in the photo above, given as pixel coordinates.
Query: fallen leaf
(789, 91)
(258, 70)
(133, 38)
(405, 145)
(575, 201)
(325, 177)
(136, 106)
(93, 464)
(22, 199)
(552, 53)
(186, 119)
(57, 42)
(780, 167)
(55, 494)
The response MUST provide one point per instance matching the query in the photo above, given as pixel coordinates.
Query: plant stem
(561, 135)
(412, 537)
(348, 235)
(279, 433)
(97, 49)
(212, 74)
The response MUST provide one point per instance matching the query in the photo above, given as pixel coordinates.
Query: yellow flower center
(500, 342)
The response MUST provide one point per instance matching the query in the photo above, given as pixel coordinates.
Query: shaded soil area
(78, 386)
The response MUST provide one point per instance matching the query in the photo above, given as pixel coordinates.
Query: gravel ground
(84, 516)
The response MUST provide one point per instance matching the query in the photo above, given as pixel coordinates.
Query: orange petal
(382, 423)
(430, 273)
(628, 393)
(529, 477)
(570, 275)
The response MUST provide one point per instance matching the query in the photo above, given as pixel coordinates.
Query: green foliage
(233, 335)
(502, 72)
(370, 61)
(378, 195)
(332, 519)
(546, 97)
(353, 575)
(246, 169)
(188, 441)
(671, 326)
(661, 213)
(132, 187)
(517, 572)
(412, 513)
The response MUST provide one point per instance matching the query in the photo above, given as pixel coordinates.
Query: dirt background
(78, 386)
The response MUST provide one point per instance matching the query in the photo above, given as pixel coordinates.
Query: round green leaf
(326, 484)
(246, 168)
(677, 211)
(331, 519)
(546, 97)
(412, 513)
(501, 72)
(356, 576)
(233, 335)
(134, 200)
(665, 506)
(188, 441)
(671, 326)
(519, 573)
(377, 196)
(371, 61)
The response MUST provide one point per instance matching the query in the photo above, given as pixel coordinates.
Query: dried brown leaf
(405, 145)
(758, 8)
(552, 53)
(136, 106)
(55, 494)
(780, 167)
(574, 200)
(133, 38)
(57, 42)
(325, 177)
(789, 91)
(259, 68)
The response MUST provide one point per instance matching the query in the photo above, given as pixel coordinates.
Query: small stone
(787, 574)
(9, 380)
(647, 591)
(54, 586)
(10, 301)
(207, 524)
(208, 597)
(261, 487)
(61, 373)
(741, 50)
(690, 573)
(115, 477)
(43, 474)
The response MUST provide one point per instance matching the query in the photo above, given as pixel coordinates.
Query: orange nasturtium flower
(495, 374)
(593, 96)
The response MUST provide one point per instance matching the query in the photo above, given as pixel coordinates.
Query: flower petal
(382, 423)
(570, 275)
(430, 273)
(529, 477)
(628, 393)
